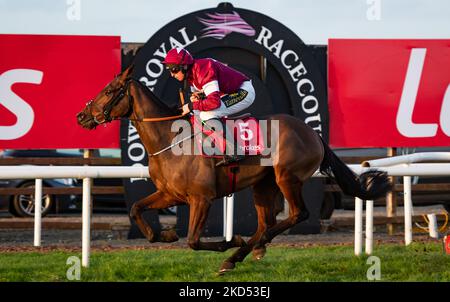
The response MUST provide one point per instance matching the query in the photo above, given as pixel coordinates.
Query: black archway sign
(283, 69)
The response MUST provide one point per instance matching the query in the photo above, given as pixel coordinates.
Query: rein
(159, 119)
(166, 118)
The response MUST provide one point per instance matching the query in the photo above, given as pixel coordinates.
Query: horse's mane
(156, 99)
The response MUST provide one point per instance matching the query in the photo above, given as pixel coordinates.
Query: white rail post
(432, 226)
(407, 207)
(225, 208)
(358, 226)
(86, 236)
(369, 227)
(230, 210)
(37, 211)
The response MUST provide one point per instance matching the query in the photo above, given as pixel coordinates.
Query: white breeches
(226, 111)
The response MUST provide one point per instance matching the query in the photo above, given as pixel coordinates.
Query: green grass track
(417, 262)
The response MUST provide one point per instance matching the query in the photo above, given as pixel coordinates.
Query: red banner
(45, 80)
(389, 93)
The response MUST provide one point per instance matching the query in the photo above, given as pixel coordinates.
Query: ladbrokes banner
(45, 80)
(389, 93)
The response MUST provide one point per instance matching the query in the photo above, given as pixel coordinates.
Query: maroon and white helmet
(178, 56)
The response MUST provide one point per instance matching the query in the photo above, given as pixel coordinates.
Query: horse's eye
(108, 92)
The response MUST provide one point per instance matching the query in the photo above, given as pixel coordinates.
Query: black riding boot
(228, 159)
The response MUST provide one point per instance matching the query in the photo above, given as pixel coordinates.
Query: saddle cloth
(247, 138)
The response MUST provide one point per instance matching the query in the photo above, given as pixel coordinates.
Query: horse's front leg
(199, 208)
(266, 197)
(157, 200)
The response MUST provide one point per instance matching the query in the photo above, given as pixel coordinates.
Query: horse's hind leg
(259, 250)
(292, 192)
(157, 200)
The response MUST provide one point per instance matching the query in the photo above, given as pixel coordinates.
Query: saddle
(239, 135)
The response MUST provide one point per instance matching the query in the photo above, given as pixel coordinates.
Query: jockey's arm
(212, 100)
(197, 96)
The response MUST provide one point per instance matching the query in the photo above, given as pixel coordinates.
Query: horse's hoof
(238, 241)
(259, 253)
(226, 267)
(168, 236)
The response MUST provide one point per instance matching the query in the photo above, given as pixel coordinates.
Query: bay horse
(196, 181)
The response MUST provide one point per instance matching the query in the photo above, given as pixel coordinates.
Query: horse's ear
(127, 72)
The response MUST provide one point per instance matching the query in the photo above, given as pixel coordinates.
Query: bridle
(123, 90)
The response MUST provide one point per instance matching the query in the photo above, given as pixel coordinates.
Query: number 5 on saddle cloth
(247, 138)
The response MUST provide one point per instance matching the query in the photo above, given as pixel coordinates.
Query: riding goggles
(173, 68)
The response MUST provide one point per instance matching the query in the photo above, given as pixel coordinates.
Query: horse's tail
(367, 186)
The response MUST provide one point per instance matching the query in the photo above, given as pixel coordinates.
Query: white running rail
(406, 166)
(397, 167)
(87, 173)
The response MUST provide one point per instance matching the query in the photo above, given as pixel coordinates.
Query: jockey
(217, 90)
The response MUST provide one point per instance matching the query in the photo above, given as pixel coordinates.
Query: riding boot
(234, 157)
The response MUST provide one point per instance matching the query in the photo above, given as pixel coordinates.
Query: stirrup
(227, 159)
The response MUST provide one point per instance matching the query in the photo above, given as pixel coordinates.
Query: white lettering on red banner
(14, 103)
(45, 80)
(389, 93)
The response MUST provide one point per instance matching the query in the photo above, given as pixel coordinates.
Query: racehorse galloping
(196, 180)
